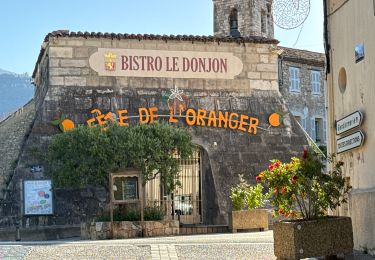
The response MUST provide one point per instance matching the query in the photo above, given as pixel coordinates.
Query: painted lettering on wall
(192, 117)
(157, 63)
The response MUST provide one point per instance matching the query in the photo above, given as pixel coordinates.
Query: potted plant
(246, 201)
(302, 192)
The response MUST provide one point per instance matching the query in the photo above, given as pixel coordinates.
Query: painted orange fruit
(274, 119)
(66, 125)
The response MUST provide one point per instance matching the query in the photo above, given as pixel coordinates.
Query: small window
(315, 82)
(294, 81)
(317, 131)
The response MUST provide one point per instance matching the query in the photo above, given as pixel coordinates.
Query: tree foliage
(84, 156)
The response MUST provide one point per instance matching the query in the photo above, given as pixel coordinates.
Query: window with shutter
(315, 82)
(312, 129)
(294, 79)
(324, 131)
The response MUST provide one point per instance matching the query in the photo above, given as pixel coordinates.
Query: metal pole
(18, 235)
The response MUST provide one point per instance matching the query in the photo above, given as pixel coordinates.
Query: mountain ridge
(15, 91)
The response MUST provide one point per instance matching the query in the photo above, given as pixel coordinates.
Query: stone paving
(257, 245)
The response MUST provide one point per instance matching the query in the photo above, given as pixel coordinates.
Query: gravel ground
(89, 252)
(252, 246)
(226, 252)
(14, 252)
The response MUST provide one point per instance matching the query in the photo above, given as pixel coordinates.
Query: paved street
(257, 245)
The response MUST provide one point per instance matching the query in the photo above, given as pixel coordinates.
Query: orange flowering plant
(302, 188)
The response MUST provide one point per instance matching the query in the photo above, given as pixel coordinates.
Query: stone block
(60, 52)
(75, 81)
(92, 81)
(262, 85)
(270, 75)
(253, 75)
(65, 72)
(263, 50)
(72, 42)
(94, 43)
(54, 63)
(252, 58)
(264, 58)
(56, 81)
(267, 68)
(81, 52)
(73, 63)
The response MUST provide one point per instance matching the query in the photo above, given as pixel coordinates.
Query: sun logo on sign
(177, 101)
(110, 61)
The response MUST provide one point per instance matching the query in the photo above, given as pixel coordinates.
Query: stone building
(351, 77)
(302, 84)
(82, 75)
(243, 18)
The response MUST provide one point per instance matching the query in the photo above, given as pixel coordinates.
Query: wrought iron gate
(184, 203)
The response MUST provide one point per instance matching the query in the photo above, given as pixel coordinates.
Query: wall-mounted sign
(165, 64)
(349, 122)
(359, 52)
(37, 197)
(350, 142)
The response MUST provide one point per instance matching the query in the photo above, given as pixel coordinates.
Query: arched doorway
(185, 202)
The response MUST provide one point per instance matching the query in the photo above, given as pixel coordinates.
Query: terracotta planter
(248, 219)
(313, 238)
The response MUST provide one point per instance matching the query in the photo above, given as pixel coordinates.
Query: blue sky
(24, 23)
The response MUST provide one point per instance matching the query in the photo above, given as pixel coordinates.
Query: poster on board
(38, 197)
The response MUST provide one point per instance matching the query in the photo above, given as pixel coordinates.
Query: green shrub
(118, 216)
(255, 197)
(238, 193)
(153, 213)
(245, 196)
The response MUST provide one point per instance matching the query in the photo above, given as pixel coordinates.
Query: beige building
(350, 38)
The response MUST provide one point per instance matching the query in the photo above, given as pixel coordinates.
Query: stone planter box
(248, 219)
(126, 229)
(313, 238)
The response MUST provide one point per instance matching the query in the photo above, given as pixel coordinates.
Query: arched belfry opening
(233, 23)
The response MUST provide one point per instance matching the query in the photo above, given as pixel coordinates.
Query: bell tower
(243, 18)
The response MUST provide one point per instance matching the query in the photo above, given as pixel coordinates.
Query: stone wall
(74, 89)
(12, 136)
(305, 104)
(361, 211)
(126, 229)
(250, 19)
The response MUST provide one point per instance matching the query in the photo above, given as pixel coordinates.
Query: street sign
(350, 142)
(349, 122)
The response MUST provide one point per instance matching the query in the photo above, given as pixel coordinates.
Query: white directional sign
(350, 142)
(349, 122)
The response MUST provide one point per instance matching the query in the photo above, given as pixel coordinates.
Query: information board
(38, 197)
(130, 188)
